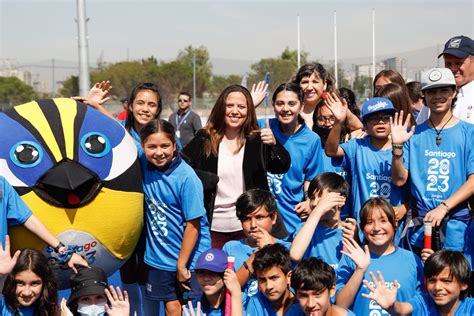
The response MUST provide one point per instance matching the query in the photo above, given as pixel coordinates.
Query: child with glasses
(367, 160)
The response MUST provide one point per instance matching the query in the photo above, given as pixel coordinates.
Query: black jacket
(258, 159)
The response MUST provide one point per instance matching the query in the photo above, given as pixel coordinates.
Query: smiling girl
(29, 286)
(378, 224)
(177, 230)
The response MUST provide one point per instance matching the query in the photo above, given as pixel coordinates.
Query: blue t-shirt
(241, 252)
(5, 311)
(370, 170)
(437, 172)
(259, 305)
(326, 244)
(469, 245)
(13, 211)
(172, 197)
(306, 154)
(295, 310)
(423, 305)
(401, 265)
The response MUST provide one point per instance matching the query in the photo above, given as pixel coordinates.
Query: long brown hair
(399, 96)
(215, 126)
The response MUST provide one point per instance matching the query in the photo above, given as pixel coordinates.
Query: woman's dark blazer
(258, 159)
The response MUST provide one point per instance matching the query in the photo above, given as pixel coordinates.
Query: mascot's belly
(78, 171)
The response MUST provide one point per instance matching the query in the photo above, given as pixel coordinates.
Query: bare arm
(345, 297)
(353, 121)
(244, 274)
(232, 284)
(339, 110)
(190, 236)
(6, 262)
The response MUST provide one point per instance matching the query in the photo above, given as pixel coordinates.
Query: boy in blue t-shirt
(314, 282)
(439, 160)
(272, 265)
(257, 211)
(447, 281)
(214, 279)
(367, 160)
(321, 235)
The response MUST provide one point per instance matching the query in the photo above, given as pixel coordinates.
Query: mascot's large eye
(26, 154)
(95, 144)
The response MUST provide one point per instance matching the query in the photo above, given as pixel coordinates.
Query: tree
(13, 91)
(281, 69)
(70, 87)
(218, 83)
(362, 87)
(341, 75)
(203, 66)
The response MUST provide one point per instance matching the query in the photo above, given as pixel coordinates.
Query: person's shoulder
(232, 245)
(295, 310)
(466, 305)
(341, 311)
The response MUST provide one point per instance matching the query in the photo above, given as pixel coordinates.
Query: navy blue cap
(213, 259)
(459, 46)
(375, 105)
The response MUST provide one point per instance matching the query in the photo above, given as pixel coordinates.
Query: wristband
(397, 146)
(397, 156)
(246, 266)
(59, 246)
(445, 205)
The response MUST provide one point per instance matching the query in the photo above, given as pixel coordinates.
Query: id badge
(178, 134)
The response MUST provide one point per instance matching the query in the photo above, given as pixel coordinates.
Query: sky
(35, 30)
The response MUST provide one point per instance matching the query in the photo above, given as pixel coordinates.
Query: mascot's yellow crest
(78, 171)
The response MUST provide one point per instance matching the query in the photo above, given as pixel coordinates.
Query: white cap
(437, 77)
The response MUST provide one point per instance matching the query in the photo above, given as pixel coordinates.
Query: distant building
(398, 64)
(9, 68)
(366, 69)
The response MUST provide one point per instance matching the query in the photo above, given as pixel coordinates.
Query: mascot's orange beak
(68, 184)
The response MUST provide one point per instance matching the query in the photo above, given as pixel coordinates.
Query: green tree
(13, 91)
(218, 83)
(203, 66)
(70, 87)
(341, 75)
(362, 87)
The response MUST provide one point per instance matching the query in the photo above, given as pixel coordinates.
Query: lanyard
(179, 122)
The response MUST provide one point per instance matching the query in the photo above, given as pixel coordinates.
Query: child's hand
(360, 257)
(97, 94)
(303, 209)
(349, 229)
(426, 253)
(183, 275)
(76, 259)
(6, 261)
(337, 107)
(263, 238)
(189, 310)
(64, 309)
(119, 303)
(380, 293)
(329, 201)
(399, 129)
(259, 92)
(231, 282)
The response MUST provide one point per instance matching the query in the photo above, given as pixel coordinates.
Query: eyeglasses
(326, 119)
(258, 218)
(183, 101)
(376, 119)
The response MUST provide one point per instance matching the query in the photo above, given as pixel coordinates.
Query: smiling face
(315, 303)
(144, 108)
(235, 110)
(325, 118)
(313, 87)
(210, 282)
(273, 283)
(444, 289)
(462, 68)
(159, 149)
(29, 287)
(439, 100)
(286, 107)
(378, 230)
(258, 219)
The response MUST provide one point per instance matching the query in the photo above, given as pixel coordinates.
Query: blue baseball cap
(375, 105)
(213, 259)
(459, 46)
